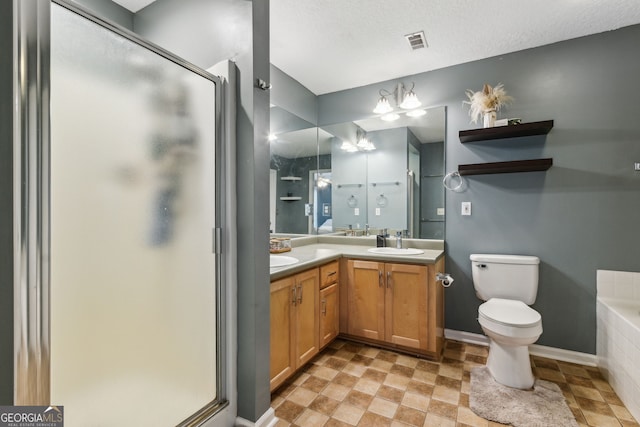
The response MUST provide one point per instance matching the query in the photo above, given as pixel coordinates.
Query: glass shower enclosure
(119, 282)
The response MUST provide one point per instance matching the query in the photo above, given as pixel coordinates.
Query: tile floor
(350, 384)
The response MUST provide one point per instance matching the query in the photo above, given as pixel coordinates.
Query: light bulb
(410, 101)
(382, 106)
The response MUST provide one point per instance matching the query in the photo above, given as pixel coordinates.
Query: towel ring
(451, 176)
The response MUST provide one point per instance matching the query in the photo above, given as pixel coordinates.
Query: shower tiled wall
(618, 334)
(618, 284)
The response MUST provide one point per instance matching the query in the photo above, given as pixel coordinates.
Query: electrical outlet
(440, 211)
(636, 166)
(356, 211)
(466, 208)
(377, 211)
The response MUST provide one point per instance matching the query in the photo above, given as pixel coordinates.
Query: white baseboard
(268, 419)
(534, 349)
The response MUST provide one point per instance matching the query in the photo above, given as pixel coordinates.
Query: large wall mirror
(353, 176)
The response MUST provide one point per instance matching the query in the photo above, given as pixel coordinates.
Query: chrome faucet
(399, 240)
(366, 229)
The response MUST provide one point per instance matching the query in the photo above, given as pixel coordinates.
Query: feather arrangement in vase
(487, 101)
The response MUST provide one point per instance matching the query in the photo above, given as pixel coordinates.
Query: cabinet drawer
(329, 274)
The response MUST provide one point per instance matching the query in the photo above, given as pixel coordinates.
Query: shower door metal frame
(31, 58)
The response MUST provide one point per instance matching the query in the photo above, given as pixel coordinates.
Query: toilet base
(510, 365)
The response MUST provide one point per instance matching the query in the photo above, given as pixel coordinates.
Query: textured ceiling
(359, 42)
(331, 45)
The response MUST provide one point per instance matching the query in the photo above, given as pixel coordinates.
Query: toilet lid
(509, 312)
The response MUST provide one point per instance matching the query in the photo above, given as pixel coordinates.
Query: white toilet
(508, 284)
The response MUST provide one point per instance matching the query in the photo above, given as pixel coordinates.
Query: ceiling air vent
(416, 40)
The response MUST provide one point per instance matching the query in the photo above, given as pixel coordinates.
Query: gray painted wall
(6, 201)
(109, 10)
(580, 215)
(288, 94)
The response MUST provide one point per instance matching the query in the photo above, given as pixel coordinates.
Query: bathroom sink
(281, 260)
(396, 251)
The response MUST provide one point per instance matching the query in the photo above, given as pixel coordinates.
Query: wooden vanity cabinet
(329, 297)
(398, 305)
(294, 323)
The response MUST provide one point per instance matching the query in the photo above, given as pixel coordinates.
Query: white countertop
(320, 250)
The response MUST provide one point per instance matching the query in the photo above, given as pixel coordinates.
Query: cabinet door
(282, 337)
(307, 319)
(406, 305)
(328, 314)
(365, 294)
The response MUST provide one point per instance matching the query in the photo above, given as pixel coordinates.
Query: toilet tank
(505, 276)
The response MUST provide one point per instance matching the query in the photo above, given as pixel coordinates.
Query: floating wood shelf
(512, 131)
(533, 165)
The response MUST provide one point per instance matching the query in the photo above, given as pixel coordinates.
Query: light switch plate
(466, 208)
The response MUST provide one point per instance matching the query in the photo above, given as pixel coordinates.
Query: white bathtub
(618, 334)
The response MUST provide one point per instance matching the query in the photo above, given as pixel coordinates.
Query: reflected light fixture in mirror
(404, 99)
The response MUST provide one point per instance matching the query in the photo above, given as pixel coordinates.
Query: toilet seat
(511, 313)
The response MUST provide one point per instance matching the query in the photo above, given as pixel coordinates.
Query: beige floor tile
(602, 385)
(572, 369)
(367, 386)
(433, 420)
(369, 352)
(588, 393)
(599, 420)
(311, 418)
(324, 372)
(383, 407)
(396, 381)
(468, 417)
(348, 413)
(451, 372)
(424, 376)
(416, 401)
(381, 365)
(352, 384)
(446, 394)
(302, 396)
(355, 370)
(409, 361)
(410, 416)
(622, 413)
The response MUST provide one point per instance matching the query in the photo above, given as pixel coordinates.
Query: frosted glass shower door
(132, 187)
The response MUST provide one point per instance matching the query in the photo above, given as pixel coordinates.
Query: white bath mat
(542, 406)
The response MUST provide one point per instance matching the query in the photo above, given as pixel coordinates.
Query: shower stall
(117, 188)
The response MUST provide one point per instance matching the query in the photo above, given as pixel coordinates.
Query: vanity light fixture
(405, 99)
(364, 143)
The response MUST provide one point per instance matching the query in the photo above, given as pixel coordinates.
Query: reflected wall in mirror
(388, 175)
(322, 181)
